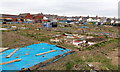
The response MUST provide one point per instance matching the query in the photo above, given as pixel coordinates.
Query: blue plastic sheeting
(45, 24)
(84, 23)
(84, 27)
(48, 24)
(81, 39)
(27, 22)
(0, 22)
(30, 59)
(63, 21)
(15, 22)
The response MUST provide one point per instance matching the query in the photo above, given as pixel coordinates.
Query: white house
(80, 19)
(103, 19)
(112, 21)
(45, 18)
(89, 20)
(98, 20)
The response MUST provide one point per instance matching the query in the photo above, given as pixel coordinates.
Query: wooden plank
(45, 52)
(10, 61)
(3, 49)
(8, 56)
(69, 52)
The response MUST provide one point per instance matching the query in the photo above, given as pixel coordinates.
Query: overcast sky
(107, 8)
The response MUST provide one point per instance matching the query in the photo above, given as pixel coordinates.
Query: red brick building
(37, 17)
(8, 18)
(26, 15)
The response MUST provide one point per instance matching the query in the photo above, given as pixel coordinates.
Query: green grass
(5, 31)
(69, 65)
(43, 39)
(80, 61)
(105, 62)
(102, 44)
(109, 66)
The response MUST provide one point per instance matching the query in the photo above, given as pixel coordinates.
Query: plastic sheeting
(30, 59)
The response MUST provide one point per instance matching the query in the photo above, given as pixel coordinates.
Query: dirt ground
(13, 40)
(114, 56)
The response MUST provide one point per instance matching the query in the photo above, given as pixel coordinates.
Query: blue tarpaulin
(84, 27)
(30, 59)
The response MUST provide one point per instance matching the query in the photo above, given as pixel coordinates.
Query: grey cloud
(67, 7)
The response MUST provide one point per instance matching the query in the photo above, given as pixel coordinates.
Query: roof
(41, 14)
(77, 41)
(8, 15)
(23, 14)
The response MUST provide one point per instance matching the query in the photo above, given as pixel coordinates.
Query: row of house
(22, 18)
(40, 17)
(83, 19)
(80, 19)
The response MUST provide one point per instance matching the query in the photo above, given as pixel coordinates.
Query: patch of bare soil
(13, 40)
(114, 56)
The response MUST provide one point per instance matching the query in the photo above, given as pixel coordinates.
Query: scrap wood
(8, 56)
(3, 49)
(45, 52)
(10, 61)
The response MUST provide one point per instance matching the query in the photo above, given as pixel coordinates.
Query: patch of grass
(109, 66)
(102, 44)
(68, 46)
(89, 48)
(91, 35)
(5, 31)
(43, 39)
(15, 41)
(80, 61)
(105, 62)
(69, 65)
(97, 58)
